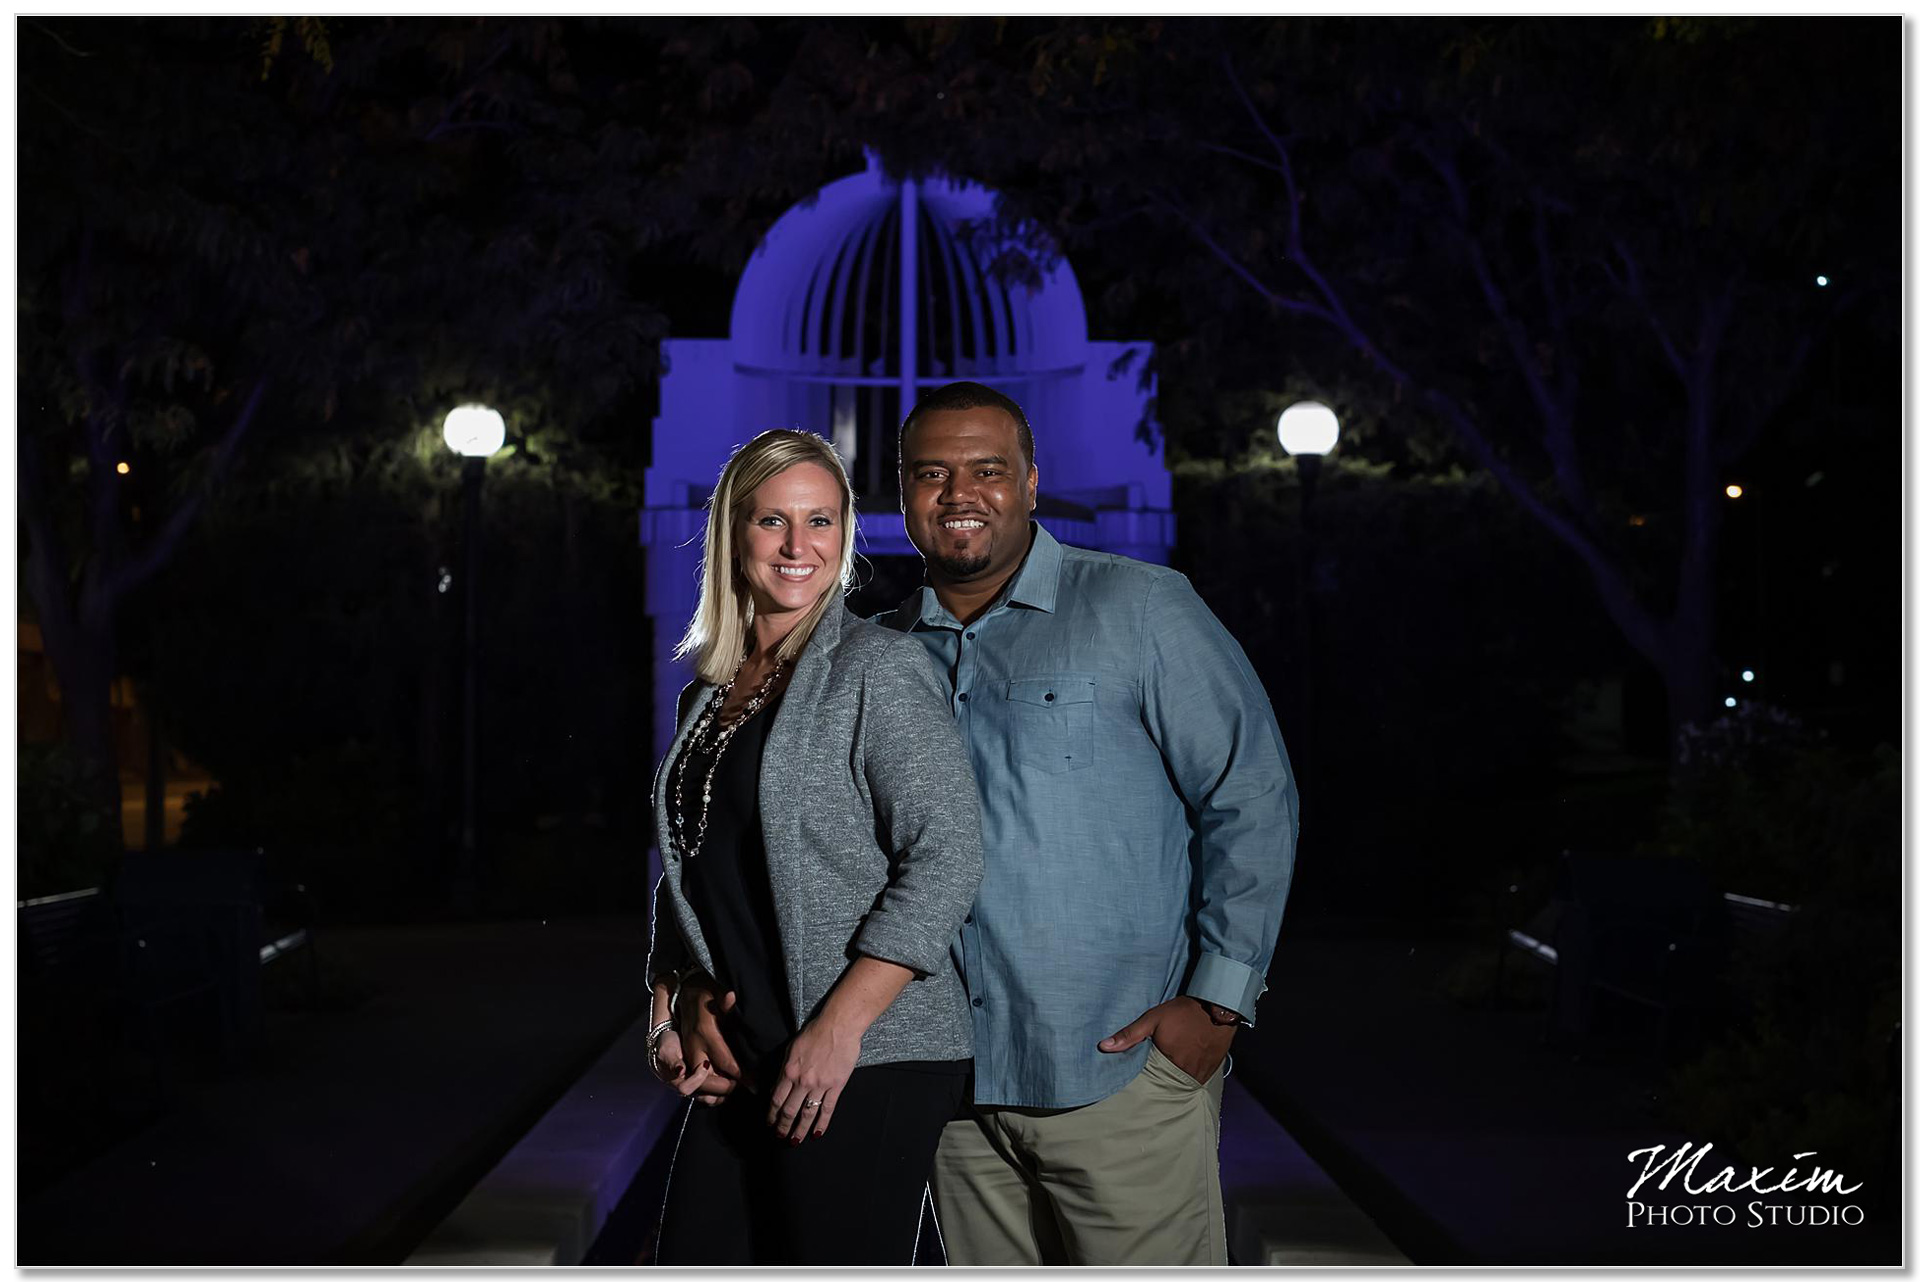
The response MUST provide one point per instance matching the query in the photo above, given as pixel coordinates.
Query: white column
(909, 294)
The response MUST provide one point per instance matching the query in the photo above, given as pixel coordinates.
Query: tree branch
(1734, 444)
(1563, 353)
(55, 36)
(1563, 446)
(1556, 413)
(72, 119)
(1608, 578)
(1634, 287)
(1767, 404)
(446, 122)
(162, 546)
(1224, 150)
(1700, 510)
(104, 413)
(446, 127)
(46, 557)
(1335, 310)
(1273, 297)
(1280, 149)
(99, 498)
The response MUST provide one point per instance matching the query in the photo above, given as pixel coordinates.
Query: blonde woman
(820, 836)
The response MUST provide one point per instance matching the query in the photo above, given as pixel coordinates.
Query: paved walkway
(359, 1131)
(585, 1184)
(489, 1105)
(1282, 1206)
(1469, 1137)
(1390, 1123)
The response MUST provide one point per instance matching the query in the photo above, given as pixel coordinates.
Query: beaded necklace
(708, 736)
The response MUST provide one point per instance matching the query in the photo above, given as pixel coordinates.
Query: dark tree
(343, 228)
(1584, 251)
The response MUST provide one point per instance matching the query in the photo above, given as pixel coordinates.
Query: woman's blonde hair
(717, 634)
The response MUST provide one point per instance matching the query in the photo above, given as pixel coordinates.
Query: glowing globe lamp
(475, 431)
(1308, 428)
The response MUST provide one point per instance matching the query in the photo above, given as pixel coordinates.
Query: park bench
(63, 935)
(1647, 931)
(177, 938)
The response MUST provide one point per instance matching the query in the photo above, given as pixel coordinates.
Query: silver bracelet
(666, 1025)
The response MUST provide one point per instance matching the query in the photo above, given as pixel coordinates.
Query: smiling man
(1139, 816)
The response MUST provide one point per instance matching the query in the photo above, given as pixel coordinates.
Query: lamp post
(474, 432)
(1308, 432)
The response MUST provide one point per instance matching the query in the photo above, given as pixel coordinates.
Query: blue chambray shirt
(1138, 810)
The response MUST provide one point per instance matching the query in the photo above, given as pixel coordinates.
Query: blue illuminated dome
(864, 296)
(822, 297)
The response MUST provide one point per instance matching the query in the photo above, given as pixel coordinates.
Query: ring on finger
(812, 1103)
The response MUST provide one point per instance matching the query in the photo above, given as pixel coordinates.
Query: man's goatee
(959, 567)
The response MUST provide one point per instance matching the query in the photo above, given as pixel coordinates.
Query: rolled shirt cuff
(1226, 982)
(884, 939)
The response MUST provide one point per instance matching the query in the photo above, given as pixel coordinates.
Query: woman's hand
(710, 1072)
(823, 1055)
(668, 1060)
(819, 1061)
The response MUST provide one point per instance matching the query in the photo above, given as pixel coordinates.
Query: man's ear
(1033, 488)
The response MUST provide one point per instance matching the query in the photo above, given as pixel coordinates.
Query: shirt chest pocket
(1050, 722)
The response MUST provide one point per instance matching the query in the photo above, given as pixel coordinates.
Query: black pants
(739, 1195)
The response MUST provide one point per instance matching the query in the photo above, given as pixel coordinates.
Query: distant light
(475, 431)
(1734, 491)
(1731, 701)
(1814, 478)
(122, 468)
(1746, 674)
(1821, 281)
(446, 580)
(1308, 428)
(1636, 520)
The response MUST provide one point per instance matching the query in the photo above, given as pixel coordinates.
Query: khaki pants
(1132, 1179)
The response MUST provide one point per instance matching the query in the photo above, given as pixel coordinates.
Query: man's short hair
(966, 396)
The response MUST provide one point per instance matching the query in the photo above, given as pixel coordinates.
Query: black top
(727, 886)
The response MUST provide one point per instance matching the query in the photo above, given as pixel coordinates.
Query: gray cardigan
(872, 829)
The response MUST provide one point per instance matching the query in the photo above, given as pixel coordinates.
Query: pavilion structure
(860, 298)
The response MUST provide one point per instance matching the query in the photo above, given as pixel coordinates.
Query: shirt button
(967, 920)
(969, 636)
(979, 1001)
(963, 696)
(1049, 696)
